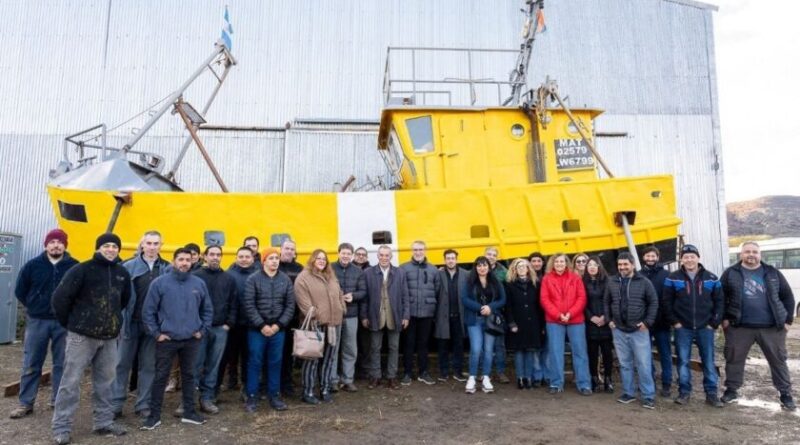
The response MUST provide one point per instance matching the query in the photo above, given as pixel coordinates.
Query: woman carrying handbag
(316, 287)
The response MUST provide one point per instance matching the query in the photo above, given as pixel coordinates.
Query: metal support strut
(622, 219)
(193, 132)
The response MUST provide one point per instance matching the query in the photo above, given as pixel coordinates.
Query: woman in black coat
(525, 319)
(598, 334)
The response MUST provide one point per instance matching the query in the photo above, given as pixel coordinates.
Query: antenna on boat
(534, 24)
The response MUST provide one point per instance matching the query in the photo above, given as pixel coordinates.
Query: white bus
(783, 254)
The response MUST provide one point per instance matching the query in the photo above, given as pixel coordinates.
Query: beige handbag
(309, 341)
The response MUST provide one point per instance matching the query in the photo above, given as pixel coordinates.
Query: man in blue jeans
(35, 285)
(177, 313)
(269, 306)
(693, 305)
(661, 331)
(135, 342)
(222, 289)
(631, 305)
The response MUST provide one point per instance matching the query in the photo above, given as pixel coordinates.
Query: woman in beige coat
(316, 287)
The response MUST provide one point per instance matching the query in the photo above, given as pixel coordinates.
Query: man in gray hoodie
(177, 313)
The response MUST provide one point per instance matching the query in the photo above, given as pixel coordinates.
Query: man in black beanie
(88, 303)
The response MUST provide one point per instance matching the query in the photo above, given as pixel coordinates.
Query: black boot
(607, 385)
(595, 383)
(526, 383)
(308, 397)
(520, 384)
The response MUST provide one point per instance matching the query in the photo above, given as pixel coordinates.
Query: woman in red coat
(563, 299)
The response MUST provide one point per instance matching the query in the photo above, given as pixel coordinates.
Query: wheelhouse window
(420, 129)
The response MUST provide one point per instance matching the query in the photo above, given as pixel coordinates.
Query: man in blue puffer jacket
(35, 285)
(693, 305)
(424, 286)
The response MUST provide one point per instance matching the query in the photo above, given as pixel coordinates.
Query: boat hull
(547, 217)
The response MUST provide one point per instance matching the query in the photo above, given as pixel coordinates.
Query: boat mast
(228, 62)
(227, 59)
(519, 75)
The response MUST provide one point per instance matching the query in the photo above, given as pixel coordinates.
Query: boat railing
(92, 146)
(460, 86)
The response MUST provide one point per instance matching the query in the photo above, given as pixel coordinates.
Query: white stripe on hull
(362, 213)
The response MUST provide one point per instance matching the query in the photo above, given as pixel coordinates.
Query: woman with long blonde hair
(525, 319)
(316, 287)
(579, 261)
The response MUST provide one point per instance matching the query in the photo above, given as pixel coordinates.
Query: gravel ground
(443, 414)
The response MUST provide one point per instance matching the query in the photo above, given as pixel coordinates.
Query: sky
(757, 45)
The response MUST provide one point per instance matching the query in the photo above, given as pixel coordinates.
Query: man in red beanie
(37, 281)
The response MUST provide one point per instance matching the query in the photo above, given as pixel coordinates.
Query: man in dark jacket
(135, 342)
(386, 312)
(351, 280)
(662, 331)
(177, 312)
(35, 285)
(424, 287)
(292, 269)
(235, 357)
(222, 289)
(88, 303)
(449, 327)
(252, 243)
(269, 306)
(693, 306)
(361, 259)
(759, 308)
(631, 305)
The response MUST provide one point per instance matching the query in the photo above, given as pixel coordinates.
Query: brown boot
(21, 411)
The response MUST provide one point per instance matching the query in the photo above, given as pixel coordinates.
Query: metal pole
(193, 132)
(414, 75)
(171, 100)
(629, 239)
(171, 174)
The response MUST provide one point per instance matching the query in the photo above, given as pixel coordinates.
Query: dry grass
(270, 428)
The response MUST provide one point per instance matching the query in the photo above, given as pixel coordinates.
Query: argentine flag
(227, 30)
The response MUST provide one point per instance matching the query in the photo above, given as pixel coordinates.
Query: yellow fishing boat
(523, 176)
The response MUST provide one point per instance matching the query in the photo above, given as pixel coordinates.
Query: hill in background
(767, 217)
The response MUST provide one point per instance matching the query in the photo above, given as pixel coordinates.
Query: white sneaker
(486, 385)
(470, 389)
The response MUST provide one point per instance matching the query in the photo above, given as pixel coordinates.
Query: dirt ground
(443, 414)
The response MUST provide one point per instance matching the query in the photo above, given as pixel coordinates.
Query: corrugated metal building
(70, 64)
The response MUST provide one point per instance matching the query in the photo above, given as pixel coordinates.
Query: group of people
(143, 315)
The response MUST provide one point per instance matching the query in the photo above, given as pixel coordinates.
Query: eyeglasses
(580, 261)
(361, 254)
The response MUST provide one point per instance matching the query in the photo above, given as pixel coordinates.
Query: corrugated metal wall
(70, 64)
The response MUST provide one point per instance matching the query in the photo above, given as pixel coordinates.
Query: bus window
(774, 259)
(733, 258)
(792, 259)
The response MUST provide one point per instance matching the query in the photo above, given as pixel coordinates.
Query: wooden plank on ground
(12, 389)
